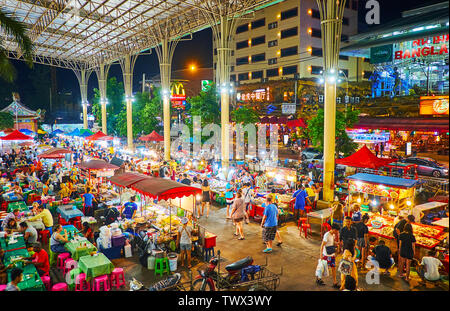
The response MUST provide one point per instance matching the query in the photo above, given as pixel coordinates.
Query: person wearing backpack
(347, 266)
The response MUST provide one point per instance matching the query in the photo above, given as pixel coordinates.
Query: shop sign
(206, 84)
(288, 108)
(434, 105)
(373, 189)
(423, 47)
(408, 150)
(256, 95)
(381, 54)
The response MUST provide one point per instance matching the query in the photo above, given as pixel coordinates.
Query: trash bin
(151, 262)
(173, 258)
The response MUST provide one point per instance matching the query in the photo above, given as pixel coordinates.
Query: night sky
(199, 51)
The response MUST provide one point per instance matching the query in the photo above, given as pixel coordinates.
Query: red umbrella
(297, 123)
(16, 135)
(153, 136)
(364, 158)
(96, 136)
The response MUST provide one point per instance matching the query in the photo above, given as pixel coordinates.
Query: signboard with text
(434, 105)
(381, 54)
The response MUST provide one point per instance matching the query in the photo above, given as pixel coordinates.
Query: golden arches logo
(177, 88)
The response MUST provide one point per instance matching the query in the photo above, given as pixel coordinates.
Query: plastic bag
(322, 268)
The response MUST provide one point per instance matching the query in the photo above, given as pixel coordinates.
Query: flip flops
(267, 250)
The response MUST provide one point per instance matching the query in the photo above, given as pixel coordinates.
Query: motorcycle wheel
(201, 285)
(258, 288)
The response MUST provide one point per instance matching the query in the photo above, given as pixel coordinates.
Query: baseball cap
(356, 216)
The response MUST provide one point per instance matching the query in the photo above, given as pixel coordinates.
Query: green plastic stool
(53, 257)
(72, 275)
(161, 266)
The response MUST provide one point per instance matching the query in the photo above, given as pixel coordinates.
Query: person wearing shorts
(184, 241)
(329, 241)
(238, 214)
(229, 197)
(269, 223)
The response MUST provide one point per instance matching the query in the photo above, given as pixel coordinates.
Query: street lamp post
(331, 15)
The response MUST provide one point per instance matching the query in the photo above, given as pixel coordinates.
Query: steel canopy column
(127, 64)
(102, 74)
(331, 14)
(83, 78)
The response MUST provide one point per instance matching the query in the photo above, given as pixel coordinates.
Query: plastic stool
(99, 280)
(61, 259)
(324, 228)
(209, 252)
(2, 288)
(59, 287)
(161, 266)
(81, 284)
(52, 257)
(301, 220)
(117, 278)
(305, 228)
(44, 235)
(72, 276)
(308, 209)
(69, 264)
(47, 282)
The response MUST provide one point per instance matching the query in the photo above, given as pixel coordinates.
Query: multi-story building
(284, 41)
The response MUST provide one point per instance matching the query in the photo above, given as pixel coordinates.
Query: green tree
(116, 102)
(206, 105)
(244, 115)
(6, 120)
(344, 120)
(11, 27)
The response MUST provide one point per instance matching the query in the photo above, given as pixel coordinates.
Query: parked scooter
(170, 283)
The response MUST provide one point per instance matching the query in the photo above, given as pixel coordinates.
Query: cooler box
(112, 252)
(118, 241)
(210, 241)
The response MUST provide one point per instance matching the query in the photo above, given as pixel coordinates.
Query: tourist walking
(407, 251)
(206, 198)
(184, 242)
(238, 214)
(269, 223)
(328, 253)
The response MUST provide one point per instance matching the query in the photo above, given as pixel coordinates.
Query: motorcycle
(208, 279)
(170, 283)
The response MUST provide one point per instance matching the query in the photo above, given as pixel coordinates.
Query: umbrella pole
(170, 217)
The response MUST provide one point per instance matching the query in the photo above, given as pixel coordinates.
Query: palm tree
(15, 29)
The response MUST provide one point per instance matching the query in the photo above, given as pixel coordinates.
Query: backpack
(345, 267)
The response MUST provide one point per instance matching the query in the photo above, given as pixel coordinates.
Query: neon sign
(422, 48)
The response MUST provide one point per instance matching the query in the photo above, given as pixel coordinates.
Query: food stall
(280, 179)
(97, 169)
(386, 194)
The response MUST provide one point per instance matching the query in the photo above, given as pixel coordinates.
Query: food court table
(77, 248)
(69, 214)
(96, 265)
(71, 229)
(38, 224)
(323, 215)
(11, 247)
(21, 206)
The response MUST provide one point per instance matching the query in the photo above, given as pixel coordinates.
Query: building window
(231, 68)
(258, 40)
(259, 23)
(233, 78)
(243, 76)
(367, 74)
(273, 43)
(272, 61)
(242, 28)
(232, 53)
(289, 70)
(257, 74)
(315, 70)
(344, 38)
(242, 61)
(343, 57)
(272, 25)
(289, 51)
(289, 13)
(258, 57)
(289, 32)
(272, 72)
(316, 33)
(315, 14)
(345, 72)
(347, 4)
(345, 21)
(316, 52)
(241, 44)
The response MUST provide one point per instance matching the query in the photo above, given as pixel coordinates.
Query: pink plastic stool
(98, 281)
(61, 260)
(47, 282)
(117, 278)
(60, 287)
(69, 264)
(2, 288)
(81, 284)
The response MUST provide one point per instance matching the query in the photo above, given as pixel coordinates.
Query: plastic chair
(81, 284)
(72, 277)
(2, 288)
(99, 281)
(117, 278)
(324, 228)
(305, 228)
(47, 281)
(44, 235)
(61, 260)
(60, 287)
(161, 266)
(69, 264)
(301, 220)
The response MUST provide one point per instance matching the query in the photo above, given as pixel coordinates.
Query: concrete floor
(297, 257)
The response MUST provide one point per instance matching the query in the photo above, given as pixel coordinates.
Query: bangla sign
(434, 105)
(424, 47)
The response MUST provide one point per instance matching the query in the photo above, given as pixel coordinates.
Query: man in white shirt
(247, 194)
(429, 267)
(330, 240)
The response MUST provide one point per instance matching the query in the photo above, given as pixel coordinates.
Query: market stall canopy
(364, 158)
(54, 153)
(75, 132)
(127, 179)
(384, 180)
(98, 165)
(164, 189)
(27, 132)
(116, 161)
(16, 135)
(8, 130)
(153, 136)
(99, 136)
(85, 133)
(57, 131)
(296, 123)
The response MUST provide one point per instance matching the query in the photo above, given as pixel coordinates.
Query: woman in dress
(238, 214)
(206, 197)
(407, 250)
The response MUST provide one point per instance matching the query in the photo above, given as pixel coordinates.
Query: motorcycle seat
(239, 264)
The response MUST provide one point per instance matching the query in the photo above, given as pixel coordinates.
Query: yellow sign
(434, 105)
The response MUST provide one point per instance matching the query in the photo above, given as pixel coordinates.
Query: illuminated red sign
(421, 48)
